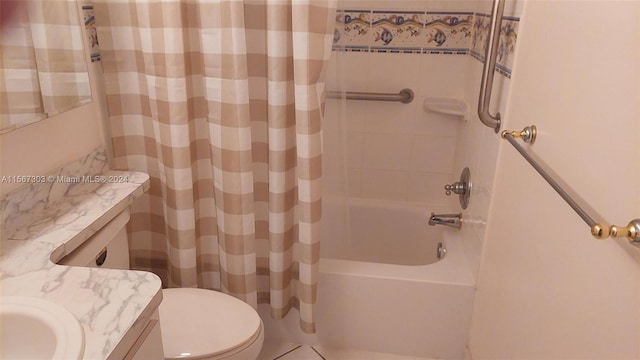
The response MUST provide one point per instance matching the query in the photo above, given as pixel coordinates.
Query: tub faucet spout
(450, 220)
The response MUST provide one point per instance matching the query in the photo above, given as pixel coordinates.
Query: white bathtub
(385, 290)
(381, 232)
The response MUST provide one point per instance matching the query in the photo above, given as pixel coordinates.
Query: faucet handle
(461, 188)
(457, 188)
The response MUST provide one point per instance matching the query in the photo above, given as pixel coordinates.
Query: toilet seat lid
(197, 323)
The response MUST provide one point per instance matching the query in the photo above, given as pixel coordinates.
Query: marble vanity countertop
(111, 305)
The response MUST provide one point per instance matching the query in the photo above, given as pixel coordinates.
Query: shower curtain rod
(405, 96)
(599, 230)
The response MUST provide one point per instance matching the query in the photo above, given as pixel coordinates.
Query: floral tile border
(449, 30)
(352, 29)
(481, 24)
(397, 29)
(424, 32)
(92, 34)
(403, 31)
(506, 45)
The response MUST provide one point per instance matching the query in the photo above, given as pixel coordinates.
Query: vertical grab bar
(490, 56)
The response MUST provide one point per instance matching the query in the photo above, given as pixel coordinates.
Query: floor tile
(271, 350)
(290, 351)
(350, 354)
(343, 354)
(304, 352)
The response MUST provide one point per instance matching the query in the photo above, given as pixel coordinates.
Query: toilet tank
(107, 248)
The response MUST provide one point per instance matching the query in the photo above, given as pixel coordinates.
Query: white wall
(546, 288)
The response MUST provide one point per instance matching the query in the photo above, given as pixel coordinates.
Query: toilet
(195, 323)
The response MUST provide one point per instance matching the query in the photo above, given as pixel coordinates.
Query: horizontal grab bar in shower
(598, 230)
(405, 96)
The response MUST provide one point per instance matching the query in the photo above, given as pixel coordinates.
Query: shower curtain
(221, 103)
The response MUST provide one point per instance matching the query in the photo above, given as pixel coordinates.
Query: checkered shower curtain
(221, 103)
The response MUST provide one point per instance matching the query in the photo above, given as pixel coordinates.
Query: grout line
(317, 352)
(290, 351)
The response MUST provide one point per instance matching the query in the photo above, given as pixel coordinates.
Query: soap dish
(447, 106)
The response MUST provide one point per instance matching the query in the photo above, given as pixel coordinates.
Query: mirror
(43, 71)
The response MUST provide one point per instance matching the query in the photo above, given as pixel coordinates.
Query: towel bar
(599, 230)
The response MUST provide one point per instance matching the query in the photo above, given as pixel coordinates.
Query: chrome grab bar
(490, 56)
(599, 230)
(405, 96)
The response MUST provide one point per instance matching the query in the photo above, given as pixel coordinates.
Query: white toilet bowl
(205, 324)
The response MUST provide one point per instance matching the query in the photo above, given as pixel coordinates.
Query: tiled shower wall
(477, 144)
(397, 151)
(400, 151)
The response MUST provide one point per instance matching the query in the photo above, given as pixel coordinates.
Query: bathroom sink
(32, 328)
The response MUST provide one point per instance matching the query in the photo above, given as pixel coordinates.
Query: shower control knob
(457, 188)
(461, 188)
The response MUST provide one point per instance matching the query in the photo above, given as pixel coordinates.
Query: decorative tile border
(352, 29)
(92, 34)
(481, 25)
(423, 32)
(506, 45)
(449, 30)
(417, 32)
(396, 30)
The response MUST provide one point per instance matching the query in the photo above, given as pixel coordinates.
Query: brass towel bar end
(528, 134)
(631, 232)
(600, 231)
